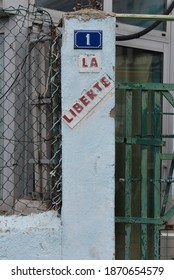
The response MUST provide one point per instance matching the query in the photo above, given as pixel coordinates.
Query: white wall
(34, 237)
(88, 156)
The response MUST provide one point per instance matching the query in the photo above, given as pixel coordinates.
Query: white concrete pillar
(88, 136)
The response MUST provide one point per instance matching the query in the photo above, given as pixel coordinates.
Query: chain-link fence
(30, 108)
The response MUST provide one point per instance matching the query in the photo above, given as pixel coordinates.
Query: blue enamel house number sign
(87, 39)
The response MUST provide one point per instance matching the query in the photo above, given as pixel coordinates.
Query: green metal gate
(141, 210)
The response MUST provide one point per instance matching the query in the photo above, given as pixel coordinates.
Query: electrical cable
(146, 30)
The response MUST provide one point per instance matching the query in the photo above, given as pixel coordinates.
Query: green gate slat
(167, 189)
(169, 214)
(169, 97)
(144, 167)
(140, 141)
(167, 156)
(128, 174)
(157, 170)
(140, 220)
(150, 87)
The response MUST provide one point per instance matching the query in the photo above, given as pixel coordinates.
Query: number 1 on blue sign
(88, 39)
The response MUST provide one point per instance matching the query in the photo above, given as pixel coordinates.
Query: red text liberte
(86, 99)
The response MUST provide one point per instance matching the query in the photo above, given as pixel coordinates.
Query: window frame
(157, 35)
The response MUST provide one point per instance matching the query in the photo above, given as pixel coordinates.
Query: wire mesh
(30, 106)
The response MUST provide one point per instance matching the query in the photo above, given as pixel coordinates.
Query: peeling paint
(112, 113)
